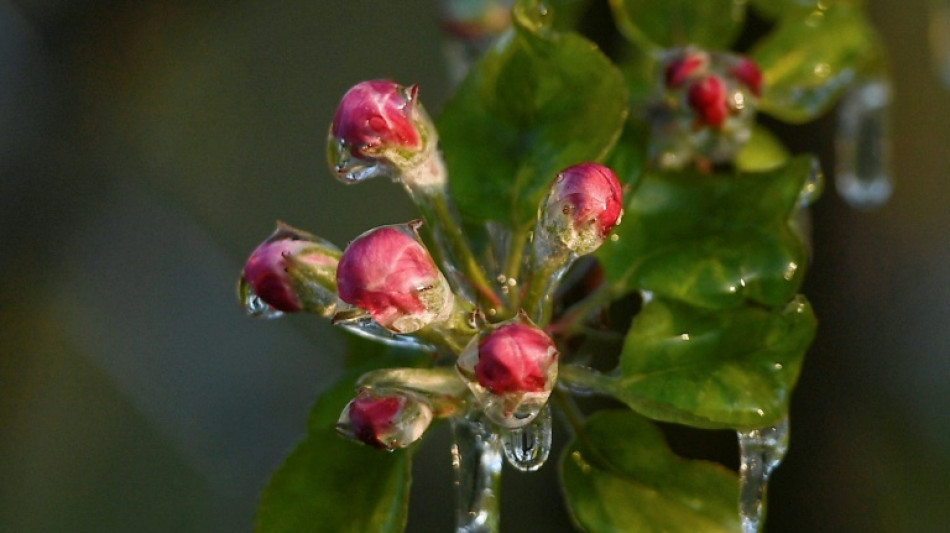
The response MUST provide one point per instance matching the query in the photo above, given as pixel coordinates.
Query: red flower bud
(583, 206)
(515, 358)
(385, 420)
(692, 62)
(289, 272)
(389, 273)
(511, 370)
(748, 73)
(375, 115)
(707, 97)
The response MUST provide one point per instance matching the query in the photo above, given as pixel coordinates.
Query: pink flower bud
(511, 369)
(385, 419)
(378, 128)
(707, 97)
(290, 271)
(748, 73)
(583, 206)
(389, 273)
(689, 64)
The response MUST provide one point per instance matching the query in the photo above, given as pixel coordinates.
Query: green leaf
(330, 484)
(532, 106)
(762, 152)
(714, 369)
(628, 159)
(713, 240)
(774, 9)
(711, 24)
(620, 475)
(811, 58)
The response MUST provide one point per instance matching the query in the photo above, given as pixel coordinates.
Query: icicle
(862, 145)
(527, 448)
(761, 451)
(940, 38)
(476, 459)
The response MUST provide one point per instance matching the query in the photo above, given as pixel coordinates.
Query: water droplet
(527, 448)
(253, 304)
(862, 145)
(360, 323)
(350, 169)
(761, 451)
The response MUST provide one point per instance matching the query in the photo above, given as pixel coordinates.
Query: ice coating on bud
(583, 206)
(511, 369)
(707, 98)
(747, 72)
(291, 271)
(705, 107)
(681, 68)
(389, 273)
(385, 419)
(379, 128)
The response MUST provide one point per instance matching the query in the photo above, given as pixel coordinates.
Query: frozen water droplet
(862, 145)
(350, 169)
(940, 38)
(359, 323)
(761, 451)
(527, 448)
(253, 304)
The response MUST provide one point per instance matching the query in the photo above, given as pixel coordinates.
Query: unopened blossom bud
(583, 206)
(748, 73)
(290, 271)
(385, 419)
(388, 273)
(707, 98)
(511, 369)
(690, 63)
(379, 128)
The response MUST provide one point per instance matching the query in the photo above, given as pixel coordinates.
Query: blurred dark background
(146, 147)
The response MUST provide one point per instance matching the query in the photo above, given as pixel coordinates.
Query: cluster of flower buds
(386, 285)
(291, 271)
(707, 106)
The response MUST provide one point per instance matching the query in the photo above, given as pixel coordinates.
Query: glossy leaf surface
(620, 475)
(811, 58)
(714, 369)
(331, 484)
(712, 24)
(712, 240)
(536, 103)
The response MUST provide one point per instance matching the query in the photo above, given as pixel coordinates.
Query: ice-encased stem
(761, 451)
(476, 459)
(426, 185)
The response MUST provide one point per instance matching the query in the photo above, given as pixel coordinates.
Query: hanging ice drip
(862, 145)
(761, 451)
(940, 38)
(527, 448)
